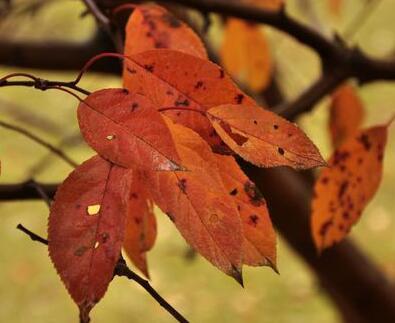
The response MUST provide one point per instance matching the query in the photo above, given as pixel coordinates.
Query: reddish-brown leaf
(86, 227)
(151, 26)
(140, 233)
(246, 55)
(346, 114)
(259, 243)
(126, 129)
(174, 79)
(264, 138)
(198, 204)
(343, 190)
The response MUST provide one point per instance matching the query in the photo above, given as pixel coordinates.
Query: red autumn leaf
(198, 204)
(346, 114)
(151, 26)
(140, 233)
(259, 245)
(245, 54)
(344, 188)
(127, 130)
(264, 138)
(86, 227)
(174, 79)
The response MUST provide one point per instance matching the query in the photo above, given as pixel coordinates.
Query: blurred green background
(30, 290)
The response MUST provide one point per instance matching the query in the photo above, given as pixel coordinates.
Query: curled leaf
(264, 138)
(127, 130)
(86, 227)
(344, 188)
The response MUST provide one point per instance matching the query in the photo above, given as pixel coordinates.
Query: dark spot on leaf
(131, 70)
(179, 102)
(280, 151)
(233, 192)
(364, 140)
(182, 184)
(255, 122)
(168, 92)
(325, 180)
(149, 67)
(256, 197)
(239, 98)
(137, 220)
(134, 195)
(254, 219)
(198, 84)
(104, 237)
(342, 189)
(340, 156)
(221, 73)
(80, 251)
(276, 127)
(345, 215)
(135, 105)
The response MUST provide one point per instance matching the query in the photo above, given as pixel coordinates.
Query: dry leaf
(86, 227)
(197, 203)
(346, 114)
(264, 138)
(127, 130)
(174, 79)
(140, 233)
(344, 188)
(259, 243)
(151, 26)
(245, 54)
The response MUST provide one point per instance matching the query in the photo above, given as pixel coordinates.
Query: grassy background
(30, 290)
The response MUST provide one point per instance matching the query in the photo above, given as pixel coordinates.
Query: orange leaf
(126, 129)
(344, 189)
(197, 203)
(140, 233)
(346, 114)
(259, 245)
(86, 227)
(246, 55)
(264, 138)
(151, 26)
(174, 79)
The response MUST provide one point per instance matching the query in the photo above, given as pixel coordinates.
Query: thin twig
(121, 269)
(41, 191)
(40, 141)
(32, 235)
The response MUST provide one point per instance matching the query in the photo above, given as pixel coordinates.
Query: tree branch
(122, 269)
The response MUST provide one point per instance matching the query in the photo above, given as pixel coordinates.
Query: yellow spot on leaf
(93, 209)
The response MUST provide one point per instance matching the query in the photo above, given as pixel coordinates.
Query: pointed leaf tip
(237, 275)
